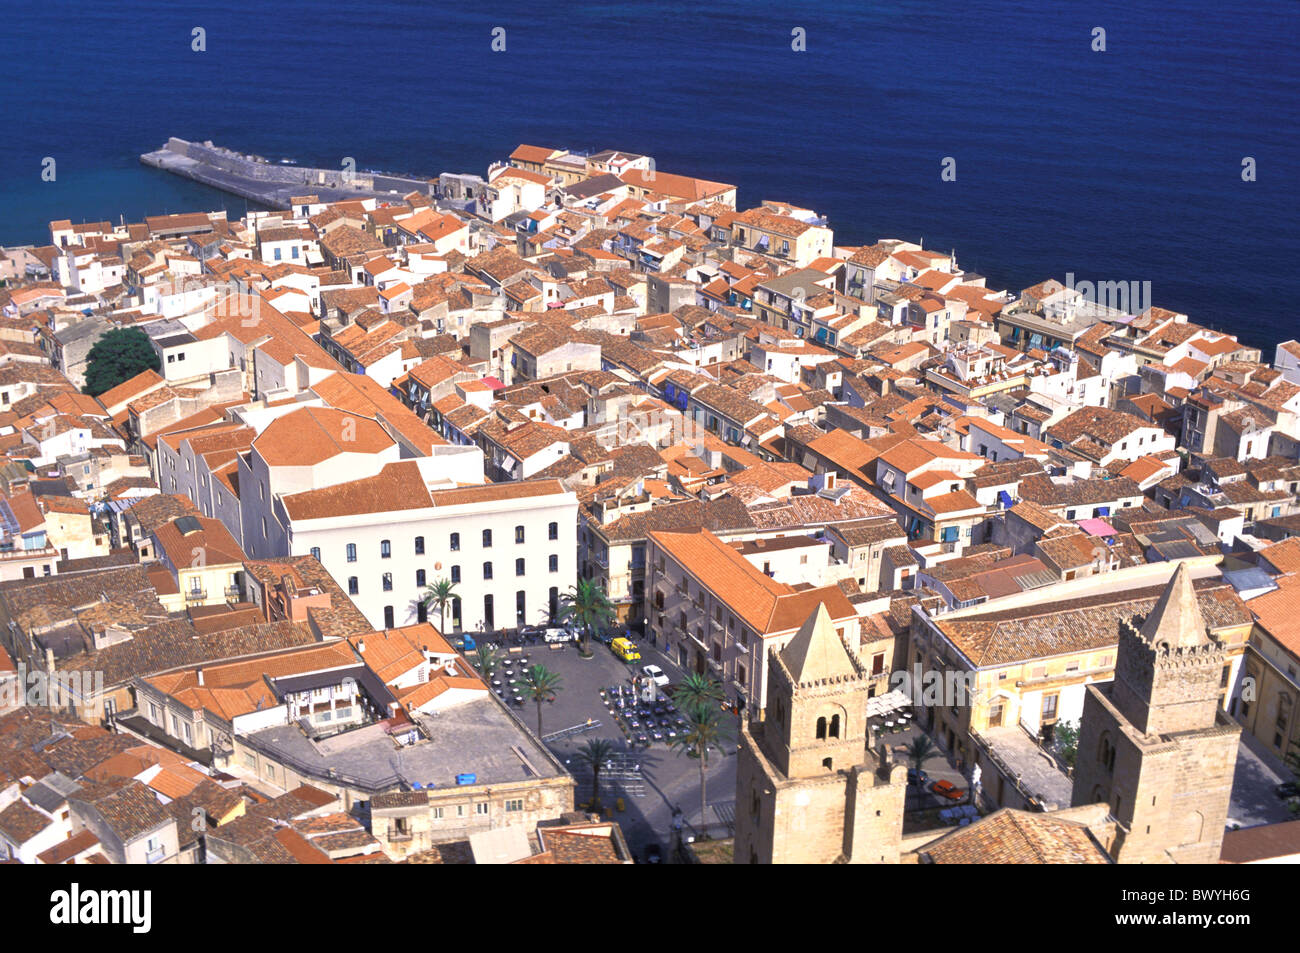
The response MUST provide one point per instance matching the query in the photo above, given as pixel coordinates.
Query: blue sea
(1122, 165)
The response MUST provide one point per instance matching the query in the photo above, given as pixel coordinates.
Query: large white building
(510, 548)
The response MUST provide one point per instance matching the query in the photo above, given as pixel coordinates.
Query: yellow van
(626, 650)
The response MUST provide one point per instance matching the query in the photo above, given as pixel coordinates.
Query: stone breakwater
(274, 184)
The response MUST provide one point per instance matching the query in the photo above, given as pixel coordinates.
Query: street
(670, 780)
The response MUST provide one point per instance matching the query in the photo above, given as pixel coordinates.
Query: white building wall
(367, 531)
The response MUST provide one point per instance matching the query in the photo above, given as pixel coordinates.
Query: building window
(519, 534)
(419, 578)
(455, 574)
(352, 552)
(455, 542)
(481, 808)
(515, 805)
(353, 587)
(388, 582)
(487, 539)
(519, 567)
(553, 531)
(1049, 709)
(553, 563)
(419, 545)
(487, 570)
(315, 552)
(385, 549)
(388, 617)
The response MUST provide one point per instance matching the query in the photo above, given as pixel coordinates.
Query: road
(671, 780)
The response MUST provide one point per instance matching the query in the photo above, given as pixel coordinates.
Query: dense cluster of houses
(581, 367)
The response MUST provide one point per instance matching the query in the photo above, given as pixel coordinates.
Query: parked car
(557, 634)
(656, 675)
(917, 777)
(626, 649)
(946, 789)
(1288, 789)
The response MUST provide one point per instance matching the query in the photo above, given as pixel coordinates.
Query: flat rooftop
(478, 737)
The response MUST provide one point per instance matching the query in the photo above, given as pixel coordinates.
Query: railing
(193, 595)
(155, 856)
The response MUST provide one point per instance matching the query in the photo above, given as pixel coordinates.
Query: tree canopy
(118, 356)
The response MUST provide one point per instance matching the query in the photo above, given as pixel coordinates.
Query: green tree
(118, 356)
(539, 684)
(1065, 741)
(695, 690)
(705, 732)
(486, 659)
(595, 753)
(920, 751)
(586, 607)
(439, 593)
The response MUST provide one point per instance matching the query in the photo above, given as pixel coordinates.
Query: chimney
(361, 645)
(199, 673)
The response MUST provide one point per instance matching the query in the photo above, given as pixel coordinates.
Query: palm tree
(705, 732)
(920, 751)
(586, 607)
(695, 690)
(595, 753)
(486, 659)
(539, 684)
(439, 594)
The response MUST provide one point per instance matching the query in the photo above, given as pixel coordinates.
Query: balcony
(195, 595)
(232, 590)
(155, 856)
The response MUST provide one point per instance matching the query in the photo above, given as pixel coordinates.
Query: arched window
(519, 534)
(821, 729)
(352, 552)
(835, 726)
(455, 542)
(419, 578)
(315, 552)
(385, 549)
(419, 545)
(553, 531)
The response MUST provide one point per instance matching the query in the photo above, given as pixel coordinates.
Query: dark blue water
(1120, 166)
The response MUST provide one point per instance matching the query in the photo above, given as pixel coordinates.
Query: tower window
(835, 726)
(821, 729)
(826, 763)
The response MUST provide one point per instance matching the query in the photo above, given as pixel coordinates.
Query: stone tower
(807, 789)
(1154, 743)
